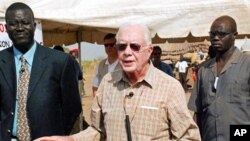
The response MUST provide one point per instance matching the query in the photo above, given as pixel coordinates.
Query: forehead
(111, 40)
(19, 13)
(221, 25)
(132, 34)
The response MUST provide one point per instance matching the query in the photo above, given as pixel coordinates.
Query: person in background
(109, 64)
(38, 87)
(76, 63)
(59, 48)
(182, 67)
(153, 103)
(221, 94)
(156, 59)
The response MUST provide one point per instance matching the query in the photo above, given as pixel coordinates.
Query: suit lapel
(38, 67)
(7, 68)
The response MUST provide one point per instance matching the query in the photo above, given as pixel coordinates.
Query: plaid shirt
(157, 109)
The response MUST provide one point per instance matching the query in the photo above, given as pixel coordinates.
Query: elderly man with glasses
(221, 96)
(139, 102)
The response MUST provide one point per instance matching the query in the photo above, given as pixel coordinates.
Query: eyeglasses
(219, 34)
(133, 46)
(109, 45)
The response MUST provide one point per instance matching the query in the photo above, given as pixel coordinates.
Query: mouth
(216, 45)
(127, 62)
(20, 35)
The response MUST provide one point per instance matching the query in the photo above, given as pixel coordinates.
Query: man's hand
(56, 138)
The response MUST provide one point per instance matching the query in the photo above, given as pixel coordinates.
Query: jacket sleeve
(71, 101)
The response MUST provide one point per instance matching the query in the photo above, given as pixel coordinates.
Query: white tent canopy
(246, 45)
(69, 21)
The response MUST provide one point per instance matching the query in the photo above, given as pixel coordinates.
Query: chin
(128, 69)
(21, 42)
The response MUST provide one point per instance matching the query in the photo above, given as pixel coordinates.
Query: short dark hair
(109, 36)
(18, 5)
(60, 48)
(157, 48)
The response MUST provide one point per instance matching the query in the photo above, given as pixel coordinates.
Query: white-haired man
(139, 102)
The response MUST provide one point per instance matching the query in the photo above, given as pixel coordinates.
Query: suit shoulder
(5, 52)
(53, 53)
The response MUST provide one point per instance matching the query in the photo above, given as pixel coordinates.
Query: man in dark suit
(53, 99)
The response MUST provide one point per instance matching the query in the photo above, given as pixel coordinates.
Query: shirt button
(12, 113)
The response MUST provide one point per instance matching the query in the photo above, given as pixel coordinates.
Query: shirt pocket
(208, 94)
(147, 120)
(239, 91)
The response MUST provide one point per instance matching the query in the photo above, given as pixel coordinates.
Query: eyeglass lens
(109, 45)
(133, 46)
(219, 34)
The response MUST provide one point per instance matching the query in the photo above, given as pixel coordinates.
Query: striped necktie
(23, 131)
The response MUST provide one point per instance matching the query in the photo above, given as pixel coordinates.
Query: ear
(150, 49)
(6, 27)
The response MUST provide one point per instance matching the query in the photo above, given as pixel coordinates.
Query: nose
(128, 49)
(19, 26)
(215, 38)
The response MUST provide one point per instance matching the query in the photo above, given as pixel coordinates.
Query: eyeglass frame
(135, 46)
(109, 45)
(220, 34)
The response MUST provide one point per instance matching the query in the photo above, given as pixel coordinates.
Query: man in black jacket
(53, 100)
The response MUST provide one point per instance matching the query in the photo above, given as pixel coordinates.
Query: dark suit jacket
(53, 99)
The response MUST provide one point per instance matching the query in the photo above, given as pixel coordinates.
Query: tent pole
(79, 39)
(80, 82)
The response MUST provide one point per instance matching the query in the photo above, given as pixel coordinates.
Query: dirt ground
(88, 97)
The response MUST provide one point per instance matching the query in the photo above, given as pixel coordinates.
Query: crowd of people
(136, 96)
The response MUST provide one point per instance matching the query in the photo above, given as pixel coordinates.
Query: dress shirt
(157, 109)
(111, 68)
(227, 103)
(29, 55)
(165, 68)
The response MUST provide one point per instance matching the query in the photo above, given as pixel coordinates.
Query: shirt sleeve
(182, 125)
(194, 103)
(177, 65)
(89, 134)
(95, 132)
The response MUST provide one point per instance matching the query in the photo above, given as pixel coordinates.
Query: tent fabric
(246, 46)
(170, 50)
(72, 21)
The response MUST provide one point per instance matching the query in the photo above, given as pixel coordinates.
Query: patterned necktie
(23, 131)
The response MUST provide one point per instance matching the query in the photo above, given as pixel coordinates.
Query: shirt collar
(148, 79)
(107, 62)
(28, 55)
(235, 56)
(233, 59)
